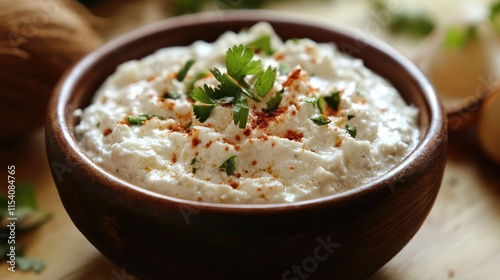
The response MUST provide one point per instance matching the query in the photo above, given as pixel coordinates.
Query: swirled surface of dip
(293, 153)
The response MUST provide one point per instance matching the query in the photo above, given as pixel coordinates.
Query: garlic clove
(489, 126)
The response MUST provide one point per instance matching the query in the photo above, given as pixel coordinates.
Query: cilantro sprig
(234, 88)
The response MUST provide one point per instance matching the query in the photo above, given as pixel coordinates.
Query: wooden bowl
(345, 236)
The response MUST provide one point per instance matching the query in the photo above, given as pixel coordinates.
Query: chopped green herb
(193, 161)
(229, 166)
(172, 95)
(319, 103)
(349, 117)
(333, 100)
(351, 130)
(310, 100)
(262, 44)
(98, 124)
(182, 74)
(141, 119)
(274, 102)
(321, 119)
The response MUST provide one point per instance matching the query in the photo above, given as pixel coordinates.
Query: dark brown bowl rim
(378, 187)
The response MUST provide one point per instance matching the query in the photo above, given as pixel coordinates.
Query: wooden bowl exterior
(345, 236)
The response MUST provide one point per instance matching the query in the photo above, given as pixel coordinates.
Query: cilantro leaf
(229, 166)
(182, 74)
(265, 81)
(263, 44)
(140, 119)
(202, 112)
(274, 102)
(239, 62)
(333, 100)
(172, 95)
(227, 86)
(350, 117)
(319, 103)
(351, 130)
(240, 112)
(203, 94)
(321, 119)
(310, 100)
(190, 86)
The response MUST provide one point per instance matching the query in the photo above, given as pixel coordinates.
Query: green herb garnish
(140, 119)
(193, 161)
(332, 101)
(229, 166)
(262, 44)
(190, 86)
(172, 95)
(321, 119)
(233, 87)
(202, 112)
(182, 74)
(310, 100)
(274, 102)
(349, 117)
(351, 130)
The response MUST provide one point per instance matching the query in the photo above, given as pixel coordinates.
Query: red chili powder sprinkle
(294, 136)
(234, 185)
(208, 144)
(294, 75)
(338, 143)
(107, 131)
(195, 141)
(263, 118)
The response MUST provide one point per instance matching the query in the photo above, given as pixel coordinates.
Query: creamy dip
(293, 153)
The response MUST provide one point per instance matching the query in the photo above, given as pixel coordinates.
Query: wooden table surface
(459, 240)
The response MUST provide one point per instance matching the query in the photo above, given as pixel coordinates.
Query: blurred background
(454, 42)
